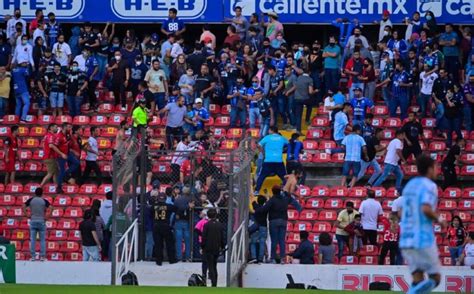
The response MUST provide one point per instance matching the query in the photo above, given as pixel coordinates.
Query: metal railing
(127, 249)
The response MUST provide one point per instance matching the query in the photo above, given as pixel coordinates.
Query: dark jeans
(423, 103)
(237, 114)
(278, 237)
(400, 100)
(173, 133)
(370, 237)
(269, 169)
(450, 176)
(62, 171)
(331, 78)
(159, 100)
(414, 149)
(279, 105)
(119, 94)
(92, 166)
(211, 259)
(341, 241)
(451, 63)
(91, 87)
(387, 246)
(299, 104)
(162, 234)
(453, 125)
(74, 165)
(74, 105)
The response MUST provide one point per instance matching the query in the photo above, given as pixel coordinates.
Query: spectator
(305, 251)
(344, 218)
(392, 158)
(356, 235)
(450, 40)
(390, 240)
(354, 145)
(457, 239)
(204, 85)
(414, 25)
(90, 240)
(272, 145)
(152, 49)
(369, 78)
(332, 58)
(62, 142)
(12, 25)
(255, 93)
(137, 74)
(427, 81)
(289, 82)
(88, 38)
(398, 45)
(173, 25)
(341, 123)
(51, 153)
(359, 106)
(158, 85)
(468, 111)
(92, 151)
(273, 26)
(277, 209)
(385, 22)
(52, 30)
(99, 222)
(452, 159)
(39, 210)
(370, 209)
(39, 16)
(11, 155)
(373, 148)
(293, 151)
(346, 27)
(207, 37)
(76, 87)
(120, 72)
(162, 232)
(304, 89)
(57, 84)
(237, 97)
(62, 52)
(400, 89)
(184, 206)
(186, 83)
(326, 249)
(413, 133)
(5, 53)
(467, 257)
(73, 172)
(259, 237)
(175, 120)
(453, 112)
(212, 243)
(354, 68)
(239, 22)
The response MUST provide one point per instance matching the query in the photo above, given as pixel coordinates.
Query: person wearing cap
(202, 114)
(273, 26)
(344, 218)
(359, 106)
(162, 230)
(152, 49)
(173, 25)
(158, 84)
(384, 23)
(137, 74)
(88, 38)
(139, 116)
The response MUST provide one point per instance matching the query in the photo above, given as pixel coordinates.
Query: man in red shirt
(232, 36)
(34, 23)
(391, 234)
(11, 148)
(62, 141)
(73, 158)
(51, 153)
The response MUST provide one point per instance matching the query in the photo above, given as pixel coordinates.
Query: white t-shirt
(81, 62)
(329, 103)
(469, 254)
(61, 52)
(93, 146)
(392, 156)
(397, 204)
(427, 83)
(370, 210)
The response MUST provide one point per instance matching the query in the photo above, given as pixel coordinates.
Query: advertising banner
(214, 11)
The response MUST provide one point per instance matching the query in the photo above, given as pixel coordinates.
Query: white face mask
(118, 58)
(209, 45)
(259, 66)
(385, 33)
(138, 63)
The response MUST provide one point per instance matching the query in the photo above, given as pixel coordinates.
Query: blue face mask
(255, 85)
(428, 17)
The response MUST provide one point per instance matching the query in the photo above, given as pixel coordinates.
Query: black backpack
(196, 280)
(130, 279)
(379, 286)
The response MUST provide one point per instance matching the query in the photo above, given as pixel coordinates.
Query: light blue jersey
(273, 145)
(416, 230)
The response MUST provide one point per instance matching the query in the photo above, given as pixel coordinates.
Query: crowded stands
(364, 105)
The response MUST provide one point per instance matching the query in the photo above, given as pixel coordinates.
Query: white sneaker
(124, 109)
(328, 151)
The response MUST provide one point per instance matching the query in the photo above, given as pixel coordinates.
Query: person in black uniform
(450, 161)
(212, 244)
(162, 232)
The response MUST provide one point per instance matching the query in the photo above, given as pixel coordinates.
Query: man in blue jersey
(417, 238)
(173, 25)
(359, 106)
(272, 147)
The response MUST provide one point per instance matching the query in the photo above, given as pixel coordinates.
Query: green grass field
(59, 289)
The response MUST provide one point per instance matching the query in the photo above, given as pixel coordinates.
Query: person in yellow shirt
(344, 218)
(5, 79)
(139, 116)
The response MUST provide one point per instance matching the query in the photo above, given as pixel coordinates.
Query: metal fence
(211, 177)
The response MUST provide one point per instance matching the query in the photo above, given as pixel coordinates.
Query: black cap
(87, 24)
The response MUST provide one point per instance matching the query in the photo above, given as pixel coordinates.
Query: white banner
(351, 277)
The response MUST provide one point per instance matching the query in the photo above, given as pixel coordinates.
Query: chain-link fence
(207, 177)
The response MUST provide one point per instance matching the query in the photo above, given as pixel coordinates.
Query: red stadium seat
(465, 216)
(229, 145)
(25, 154)
(447, 204)
(99, 120)
(70, 189)
(388, 134)
(20, 200)
(428, 122)
(465, 204)
(468, 158)
(254, 133)
(380, 110)
(81, 201)
(7, 200)
(104, 188)
(81, 120)
(320, 227)
(73, 256)
(109, 132)
(467, 170)
(393, 122)
(308, 215)
(70, 246)
(292, 214)
(356, 202)
(15, 212)
(3, 212)
(452, 192)
(437, 146)
(57, 235)
(57, 212)
(379, 191)
(10, 223)
(20, 235)
(234, 133)
(55, 256)
(62, 201)
(377, 122)
(321, 157)
(30, 143)
(106, 108)
(45, 119)
(358, 192)
(63, 119)
(222, 121)
(37, 131)
(302, 226)
(333, 203)
(219, 132)
(310, 145)
(314, 203)
(337, 158)
(321, 191)
(11, 120)
(293, 238)
(225, 110)
(349, 260)
(387, 204)
(369, 260)
(38, 155)
(74, 235)
(447, 216)
(338, 192)
(315, 134)
(319, 121)
(303, 191)
(327, 215)
(214, 109)
(323, 145)
(392, 193)
(468, 193)
(89, 189)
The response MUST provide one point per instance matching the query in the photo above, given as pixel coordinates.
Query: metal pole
(229, 220)
(143, 173)
(114, 220)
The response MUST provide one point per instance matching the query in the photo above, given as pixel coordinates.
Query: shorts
(10, 165)
(350, 165)
(51, 166)
(424, 259)
(56, 99)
